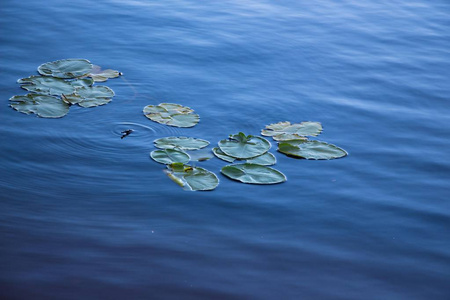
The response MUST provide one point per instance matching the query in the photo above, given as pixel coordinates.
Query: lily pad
(93, 96)
(243, 147)
(66, 68)
(44, 106)
(46, 85)
(253, 173)
(192, 178)
(171, 114)
(267, 159)
(219, 153)
(99, 75)
(283, 131)
(168, 156)
(311, 149)
(82, 82)
(181, 142)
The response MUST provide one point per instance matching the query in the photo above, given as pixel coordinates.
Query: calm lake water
(87, 215)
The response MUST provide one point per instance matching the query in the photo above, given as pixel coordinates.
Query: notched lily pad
(192, 178)
(253, 173)
(171, 114)
(243, 146)
(169, 156)
(283, 131)
(66, 68)
(181, 142)
(44, 106)
(311, 149)
(93, 96)
(99, 75)
(46, 85)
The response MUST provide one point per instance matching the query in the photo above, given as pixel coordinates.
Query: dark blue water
(87, 215)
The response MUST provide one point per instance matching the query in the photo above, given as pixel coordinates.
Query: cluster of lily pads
(249, 155)
(63, 83)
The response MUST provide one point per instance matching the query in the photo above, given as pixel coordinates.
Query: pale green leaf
(181, 142)
(66, 68)
(169, 156)
(311, 149)
(243, 147)
(44, 106)
(253, 173)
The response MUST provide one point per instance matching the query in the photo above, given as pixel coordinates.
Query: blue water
(87, 215)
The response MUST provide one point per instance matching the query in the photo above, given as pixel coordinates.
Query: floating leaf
(311, 149)
(168, 156)
(99, 75)
(193, 178)
(171, 114)
(283, 131)
(181, 142)
(267, 159)
(253, 173)
(93, 96)
(219, 153)
(66, 68)
(42, 105)
(244, 147)
(82, 82)
(46, 85)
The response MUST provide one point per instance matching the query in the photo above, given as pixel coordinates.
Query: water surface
(87, 215)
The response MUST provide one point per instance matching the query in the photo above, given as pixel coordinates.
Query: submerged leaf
(195, 178)
(66, 68)
(311, 149)
(286, 131)
(181, 142)
(42, 105)
(99, 75)
(253, 173)
(94, 96)
(169, 156)
(171, 114)
(46, 85)
(243, 147)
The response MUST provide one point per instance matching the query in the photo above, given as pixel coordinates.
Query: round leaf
(311, 149)
(283, 131)
(94, 95)
(66, 68)
(217, 152)
(267, 159)
(46, 85)
(43, 105)
(253, 173)
(244, 147)
(193, 178)
(168, 156)
(181, 142)
(171, 114)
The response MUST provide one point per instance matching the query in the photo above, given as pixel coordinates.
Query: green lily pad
(99, 75)
(46, 85)
(181, 142)
(192, 178)
(93, 96)
(66, 68)
(283, 131)
(44, 106)
(82, 82)
(168, 156)
(243, 147)
(219, 153)
(171, 114)
(253, 173)
(311, 149)
(267, 159)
